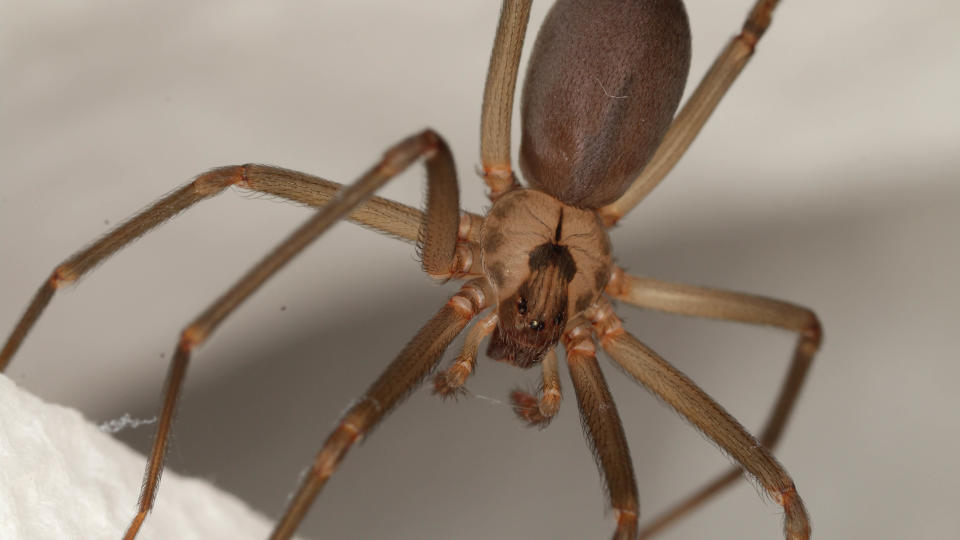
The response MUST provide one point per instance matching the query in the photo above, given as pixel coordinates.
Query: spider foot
(447, 384)
(533, 411)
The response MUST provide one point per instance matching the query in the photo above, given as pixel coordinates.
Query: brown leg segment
(695, 112)
(382, 215)
(724, 305)
(416, 360)
(394, 161)
(498, 97)
(437, 238)
(700, 410)
(598, 413)
(539, 412)
(86, 259)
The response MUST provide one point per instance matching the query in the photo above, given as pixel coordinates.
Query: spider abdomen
(547, 262)
(603, 82)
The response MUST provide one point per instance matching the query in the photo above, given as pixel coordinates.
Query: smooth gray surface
(827, 177)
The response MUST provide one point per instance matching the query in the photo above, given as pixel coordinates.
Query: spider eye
(536, 325)
(559, 319)
(522, 305)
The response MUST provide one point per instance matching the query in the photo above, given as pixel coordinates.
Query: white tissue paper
(62, 477)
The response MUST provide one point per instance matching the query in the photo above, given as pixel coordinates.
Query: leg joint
(786, 495)
(62, 275)
(472, 298)
(216, 180)
(757, 22)
(191, 337)
(618, 285)
(351, 428)
(469, 228)
(460, 265)
(500, 179)
(431, 141)
(813, 332)
(462, 305)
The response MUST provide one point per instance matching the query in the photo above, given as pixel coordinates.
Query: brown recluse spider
(598, 134)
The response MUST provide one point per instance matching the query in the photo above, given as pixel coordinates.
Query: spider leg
(498, 96)
(449, 382)
(539, 412)
(86, 259)
(724, 305)
(377, 213)
(603, 429)
(678, 391)
(695, 112)
(439, 163)
(413, 363)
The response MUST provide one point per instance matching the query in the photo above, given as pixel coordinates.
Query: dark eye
(536, 325)
(559, 319)
(522, 305)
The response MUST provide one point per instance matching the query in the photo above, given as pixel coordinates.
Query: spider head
(532, 320)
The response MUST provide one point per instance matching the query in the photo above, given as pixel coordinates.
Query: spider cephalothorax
(547, 262)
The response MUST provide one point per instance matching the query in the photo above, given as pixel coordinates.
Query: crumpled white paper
(62, 478)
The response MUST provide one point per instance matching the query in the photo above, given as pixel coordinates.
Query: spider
(598, 135)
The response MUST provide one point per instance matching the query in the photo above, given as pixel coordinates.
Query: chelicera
(598, 133)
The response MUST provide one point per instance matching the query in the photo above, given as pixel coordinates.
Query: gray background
(827, 177)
